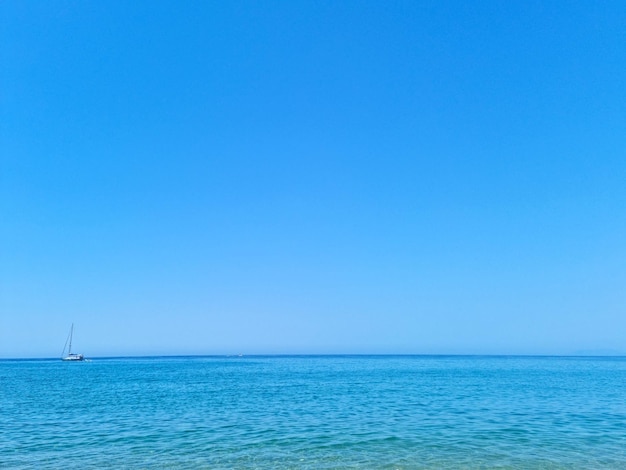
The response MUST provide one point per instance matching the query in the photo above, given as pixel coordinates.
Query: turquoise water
(408, 412)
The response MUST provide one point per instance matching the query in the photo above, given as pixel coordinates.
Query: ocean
(314, 412)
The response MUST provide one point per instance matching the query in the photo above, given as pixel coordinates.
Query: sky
(312, 177)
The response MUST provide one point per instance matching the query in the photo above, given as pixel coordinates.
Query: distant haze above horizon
(312, 177)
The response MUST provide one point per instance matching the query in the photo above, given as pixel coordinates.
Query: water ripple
(314, 412)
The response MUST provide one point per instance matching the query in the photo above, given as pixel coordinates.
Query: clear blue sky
(312, 177)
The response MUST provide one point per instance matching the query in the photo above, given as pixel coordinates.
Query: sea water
(314, 412)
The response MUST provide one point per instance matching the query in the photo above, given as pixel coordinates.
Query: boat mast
(69, 351)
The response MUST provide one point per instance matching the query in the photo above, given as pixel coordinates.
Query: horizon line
(295, 355)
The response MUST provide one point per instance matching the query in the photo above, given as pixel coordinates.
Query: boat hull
(74, 357)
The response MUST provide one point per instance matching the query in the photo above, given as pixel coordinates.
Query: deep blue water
(395, 412)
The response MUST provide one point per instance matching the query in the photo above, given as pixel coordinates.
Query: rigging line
(66, 341)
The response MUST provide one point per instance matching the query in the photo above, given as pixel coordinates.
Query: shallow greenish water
(316, 412)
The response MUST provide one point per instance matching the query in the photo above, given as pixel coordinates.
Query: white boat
(70, 355)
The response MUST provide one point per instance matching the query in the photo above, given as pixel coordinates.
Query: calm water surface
(408, 412)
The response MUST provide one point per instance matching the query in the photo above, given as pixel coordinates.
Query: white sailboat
(70, 355)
